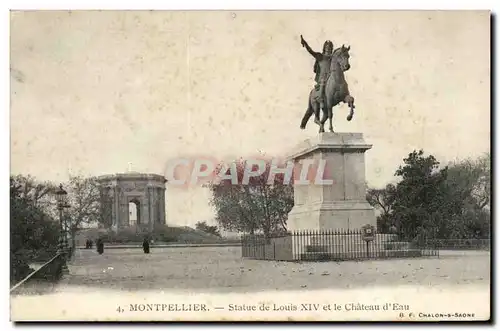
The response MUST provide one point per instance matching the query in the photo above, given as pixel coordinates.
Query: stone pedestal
(342, 203)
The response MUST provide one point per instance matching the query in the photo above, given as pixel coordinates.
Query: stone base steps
(359, 255)
(356, 247)
(357, 251)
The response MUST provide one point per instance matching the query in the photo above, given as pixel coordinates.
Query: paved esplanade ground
(221, 269)
(217, 276)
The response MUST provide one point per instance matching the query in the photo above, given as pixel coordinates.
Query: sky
(92, 91)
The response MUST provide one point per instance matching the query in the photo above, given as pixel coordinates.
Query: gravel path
(221, 269)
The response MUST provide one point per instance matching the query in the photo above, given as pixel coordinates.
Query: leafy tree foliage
(34, 233)
(469, 181)
(449, 202)
(35, 228)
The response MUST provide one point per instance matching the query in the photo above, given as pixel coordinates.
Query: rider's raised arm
(309, 49)
(313, 53)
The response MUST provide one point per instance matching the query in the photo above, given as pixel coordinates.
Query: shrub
(163, 234)
(19, 268)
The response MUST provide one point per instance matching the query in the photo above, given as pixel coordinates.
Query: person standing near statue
(100, 246)
(145, 245)
(321, 66)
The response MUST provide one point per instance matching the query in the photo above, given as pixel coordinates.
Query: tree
(35, 193)
(383, 200)
(84, 203)
(422, 203)
(34, 234)
(32, 226)
(449, 202)
(212, 229)
(253, 206)
(469, 181)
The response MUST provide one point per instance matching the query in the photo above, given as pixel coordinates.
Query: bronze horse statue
(336, 91)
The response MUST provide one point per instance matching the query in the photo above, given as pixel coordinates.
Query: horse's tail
(308, 113)
(309, 101)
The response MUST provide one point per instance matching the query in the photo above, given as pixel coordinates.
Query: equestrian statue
(331, 87)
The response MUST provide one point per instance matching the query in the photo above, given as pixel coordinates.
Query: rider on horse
(321, 66)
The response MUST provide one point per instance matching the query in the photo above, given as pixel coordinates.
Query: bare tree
(37, 193)
(254, 206)
(84, 203)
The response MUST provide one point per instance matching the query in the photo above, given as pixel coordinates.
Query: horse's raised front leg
(350, 102)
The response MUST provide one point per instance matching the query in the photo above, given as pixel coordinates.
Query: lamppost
(67, 233)
(61, 196)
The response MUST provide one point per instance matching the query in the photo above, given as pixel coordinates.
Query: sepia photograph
(250, 165)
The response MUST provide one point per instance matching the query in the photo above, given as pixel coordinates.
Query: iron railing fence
(328, 245)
